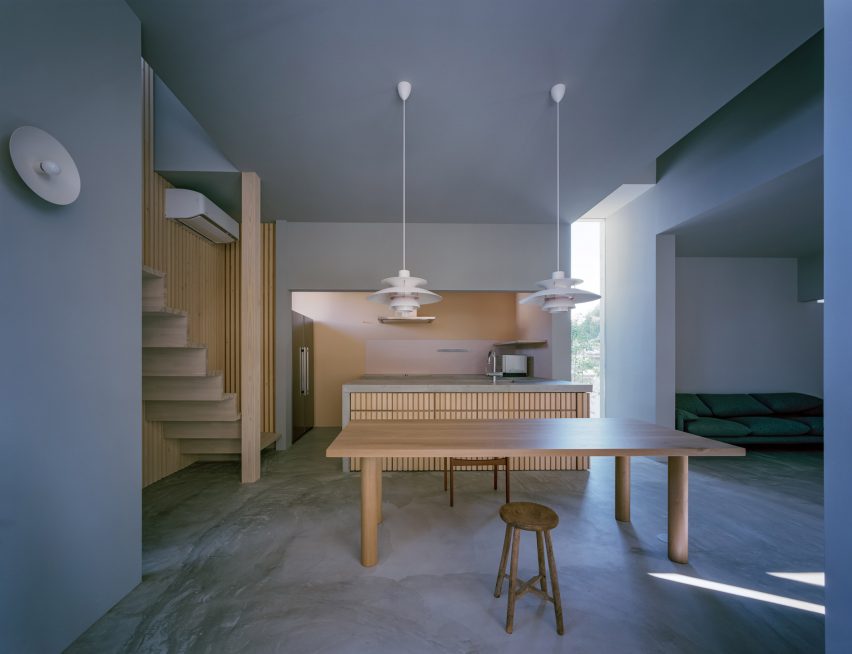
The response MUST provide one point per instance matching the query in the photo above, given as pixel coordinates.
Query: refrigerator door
(298, 379)
(308, 400)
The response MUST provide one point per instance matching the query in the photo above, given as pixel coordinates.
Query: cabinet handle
(307, 371)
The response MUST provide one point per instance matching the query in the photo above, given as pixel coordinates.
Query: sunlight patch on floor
(812, 578)
(741, 592)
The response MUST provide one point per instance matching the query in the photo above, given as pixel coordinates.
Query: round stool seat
(529, 516)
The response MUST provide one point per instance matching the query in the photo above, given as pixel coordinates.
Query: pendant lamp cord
(403, 186)
(558, 242)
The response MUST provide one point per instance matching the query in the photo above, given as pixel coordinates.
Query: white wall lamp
(45, 165)
(404, 293)
(559, 293)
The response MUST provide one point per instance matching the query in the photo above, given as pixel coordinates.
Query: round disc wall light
(45, 165)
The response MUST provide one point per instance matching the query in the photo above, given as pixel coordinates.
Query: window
(587, 239)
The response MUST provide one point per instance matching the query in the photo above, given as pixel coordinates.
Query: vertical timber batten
(251, 327)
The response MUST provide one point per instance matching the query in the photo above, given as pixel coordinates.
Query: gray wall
(810, 271)
(838, 318)
(452, 257)
(772, 127)
(70, 415)
(741, 329)
(180, 143)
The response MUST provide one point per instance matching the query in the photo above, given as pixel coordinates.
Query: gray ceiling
(303, 92)
(782, 218)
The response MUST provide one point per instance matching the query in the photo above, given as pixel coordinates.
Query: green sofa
(754, 418)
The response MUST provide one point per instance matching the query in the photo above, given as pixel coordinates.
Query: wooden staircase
(177, 388)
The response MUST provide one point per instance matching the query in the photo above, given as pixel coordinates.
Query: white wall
(771, 128)
(740, 328)
(452, 257)
(70, 333)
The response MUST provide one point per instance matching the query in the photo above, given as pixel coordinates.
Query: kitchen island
(464, 397)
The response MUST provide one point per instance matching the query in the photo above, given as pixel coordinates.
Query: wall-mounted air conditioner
(199, 214)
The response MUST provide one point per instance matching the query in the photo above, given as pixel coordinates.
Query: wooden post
(251, 327)
(622, 488)
(379, 517)
(370, 501)
(679, 509)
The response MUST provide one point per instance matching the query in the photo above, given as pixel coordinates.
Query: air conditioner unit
(202, 216)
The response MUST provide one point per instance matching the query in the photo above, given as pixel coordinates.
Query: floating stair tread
(186, 346)
(204, 429)
(223, 445)
(174, 361)
(165, 312)
(150, 273)
(221, 410)
(184, 387)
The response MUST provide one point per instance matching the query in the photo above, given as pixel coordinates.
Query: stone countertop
(459, 384)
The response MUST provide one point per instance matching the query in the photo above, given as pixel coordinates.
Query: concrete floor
(273, 567)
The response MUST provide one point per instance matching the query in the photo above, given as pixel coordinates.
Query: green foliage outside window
(586, 346)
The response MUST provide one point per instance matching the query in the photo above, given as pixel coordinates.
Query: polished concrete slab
(273, 567)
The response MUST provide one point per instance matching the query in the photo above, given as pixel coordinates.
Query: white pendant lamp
(404, 293)
(559, 293)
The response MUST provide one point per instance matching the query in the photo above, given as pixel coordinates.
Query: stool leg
(452, 483)
(495, 476)
(445, 474)
(501, 574)
(554, 583)
(513, 576)
(507, 482)
(539, 541)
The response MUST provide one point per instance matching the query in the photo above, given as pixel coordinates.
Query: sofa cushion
(729, 406)
(813, 422)
(763, 426)
(790, 403)
(691, 402)
(713, 427)
(682, 417)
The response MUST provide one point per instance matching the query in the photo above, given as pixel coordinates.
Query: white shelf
(392, 320)
(520, 344)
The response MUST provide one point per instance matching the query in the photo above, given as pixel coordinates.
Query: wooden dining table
(617, 437)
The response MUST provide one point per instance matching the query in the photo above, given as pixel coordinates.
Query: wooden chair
(528, 516)
(451, 464)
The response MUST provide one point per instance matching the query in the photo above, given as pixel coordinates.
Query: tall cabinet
(303, 375)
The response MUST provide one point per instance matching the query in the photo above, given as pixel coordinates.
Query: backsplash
(427, 357)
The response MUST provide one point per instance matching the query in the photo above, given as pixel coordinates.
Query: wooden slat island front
(464, 397)
(374, 440)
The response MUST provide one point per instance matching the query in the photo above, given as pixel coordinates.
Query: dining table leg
(622, 488)
(380, 518)
(679, 509)
(371, 500)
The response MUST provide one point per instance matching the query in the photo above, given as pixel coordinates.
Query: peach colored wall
(344, 322)
(533, 324)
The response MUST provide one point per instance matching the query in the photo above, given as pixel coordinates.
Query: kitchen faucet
(492, 364)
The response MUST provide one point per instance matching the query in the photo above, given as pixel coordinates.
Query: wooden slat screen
(471, 406)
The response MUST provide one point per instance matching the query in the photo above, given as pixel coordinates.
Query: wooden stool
(452, 464)
(540, 519)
